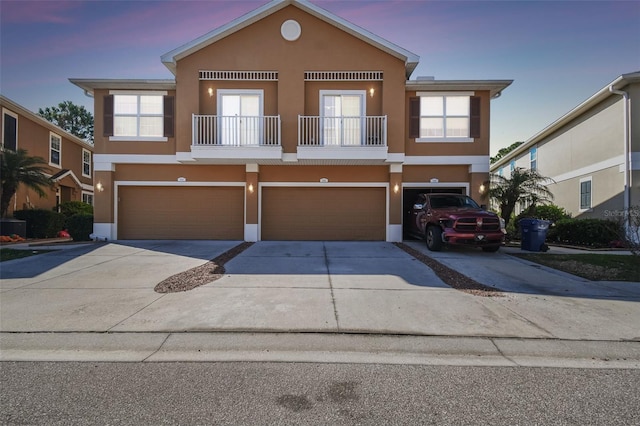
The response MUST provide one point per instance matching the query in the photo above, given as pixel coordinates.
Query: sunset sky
(558, 53)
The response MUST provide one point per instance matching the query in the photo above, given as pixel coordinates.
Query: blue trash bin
(534, 233)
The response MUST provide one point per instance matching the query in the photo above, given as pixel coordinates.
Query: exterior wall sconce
(372, 91)
(99, 187)
(482, 188)
(210, 91)
(396, 188)
(251, 188)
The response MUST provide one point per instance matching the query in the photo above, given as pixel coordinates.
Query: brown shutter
(107, 116)
(414, 118)
(169, 116)
(474, 115)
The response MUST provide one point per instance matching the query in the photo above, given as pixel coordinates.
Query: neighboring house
(288, 123)
(592, 153)
(70, 158)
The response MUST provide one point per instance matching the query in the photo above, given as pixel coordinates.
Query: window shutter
(169, 116)
(474, 116)
(107, 116)
(414, 118)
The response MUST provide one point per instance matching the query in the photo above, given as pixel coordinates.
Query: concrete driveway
(360, 287)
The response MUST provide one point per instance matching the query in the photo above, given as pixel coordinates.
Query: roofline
(45, 123)
(90, 85)
(604, 93)
(170, 59)
(495, 87)
(65, 174)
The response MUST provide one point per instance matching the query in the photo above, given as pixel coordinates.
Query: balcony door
(342, 117)
(240, 117)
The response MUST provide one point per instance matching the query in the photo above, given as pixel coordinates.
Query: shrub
(41, 223)
(69, 208)
(551, 212)
(587, 232)
(80, 226)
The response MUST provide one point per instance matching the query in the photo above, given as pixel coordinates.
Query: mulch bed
(451, 277)
(204, 274)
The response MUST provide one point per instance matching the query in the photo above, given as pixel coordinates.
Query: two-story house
(592, 153)
(69, 158)
(288, 123)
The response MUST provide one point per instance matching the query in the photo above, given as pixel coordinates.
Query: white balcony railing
(228, 131)
(369, 131)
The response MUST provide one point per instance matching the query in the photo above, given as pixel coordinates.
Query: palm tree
(17, 167)
(524, 185)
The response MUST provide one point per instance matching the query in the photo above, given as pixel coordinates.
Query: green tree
(16, 168)
(504, 151)
(524, 185)
(73, 118)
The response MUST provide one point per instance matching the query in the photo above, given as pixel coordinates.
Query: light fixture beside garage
(99, 187)
(251, 188)
(396, 188)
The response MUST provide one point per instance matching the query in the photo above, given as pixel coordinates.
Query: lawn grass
(592, 266)
(10, 254)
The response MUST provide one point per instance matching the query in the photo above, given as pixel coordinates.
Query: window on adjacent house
(55, 149)
(9, 130)
(444, 117)
(87, 198)
(138, 116)
(86, 163)
(533, 157)
(500, 172)
(512, 166)
(585, 194)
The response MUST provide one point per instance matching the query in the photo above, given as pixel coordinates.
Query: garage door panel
(323, 214)
(180, 213)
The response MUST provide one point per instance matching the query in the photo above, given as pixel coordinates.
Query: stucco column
(479, 187)
(103, 206)
(251, 203)
(394, 228)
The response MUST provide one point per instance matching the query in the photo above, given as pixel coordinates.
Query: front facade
(592, 153)
(70, 159)
(288, 123)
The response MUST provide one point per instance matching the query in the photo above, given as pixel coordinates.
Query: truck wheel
(434, 238)
(491, 249)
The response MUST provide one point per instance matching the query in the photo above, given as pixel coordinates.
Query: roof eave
(495, 87)
(90, 85)
(604, 93)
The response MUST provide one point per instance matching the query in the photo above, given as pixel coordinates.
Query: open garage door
(184, 213)
(318, 214)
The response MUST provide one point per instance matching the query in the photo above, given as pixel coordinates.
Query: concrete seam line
(525, 319)
(333, 298)
(135, 313)
(158, 349)
(503, 354)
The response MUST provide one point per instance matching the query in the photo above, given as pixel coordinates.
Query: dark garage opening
(409, 196)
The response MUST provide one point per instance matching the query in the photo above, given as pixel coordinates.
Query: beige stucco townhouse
(69, 158)
(288, 123)
(592, 153)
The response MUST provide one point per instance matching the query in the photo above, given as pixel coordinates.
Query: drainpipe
(627, 151)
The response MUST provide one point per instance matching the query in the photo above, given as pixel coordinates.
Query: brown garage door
(323, 214)
(165, 212)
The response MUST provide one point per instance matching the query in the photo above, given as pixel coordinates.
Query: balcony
(342, 138)
(236, 137)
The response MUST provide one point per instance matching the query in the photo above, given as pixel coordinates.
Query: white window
(533, 157)
(445, 117)
(512, 166)
(55, 150)
(86, 163)
(9, 130)
(240, 117)
(585, 194)
(342, 117)
(138, 116)
(87, 198)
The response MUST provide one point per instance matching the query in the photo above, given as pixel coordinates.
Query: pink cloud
(22, 12)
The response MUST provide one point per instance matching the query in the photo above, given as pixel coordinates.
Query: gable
(302, 10)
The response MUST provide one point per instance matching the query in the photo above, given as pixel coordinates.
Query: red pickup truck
(454, 219)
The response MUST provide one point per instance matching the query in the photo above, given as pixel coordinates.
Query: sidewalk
(88, 299)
